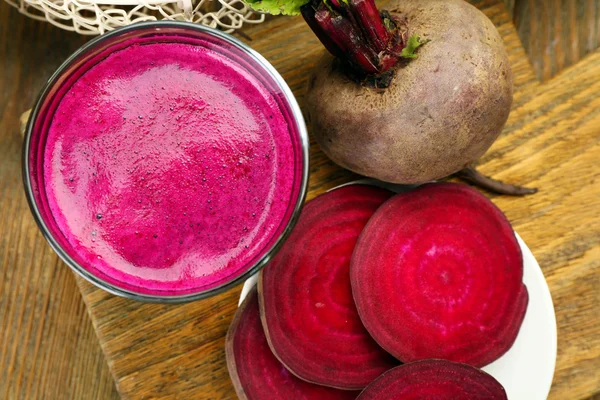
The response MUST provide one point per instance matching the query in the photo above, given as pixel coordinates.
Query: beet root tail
(470, 174)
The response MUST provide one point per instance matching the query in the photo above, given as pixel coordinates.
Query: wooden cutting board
(551, 141)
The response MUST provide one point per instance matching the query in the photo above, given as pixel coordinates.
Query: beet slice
(434, 380)
(437, 273)
(306, 301)
(254, 370)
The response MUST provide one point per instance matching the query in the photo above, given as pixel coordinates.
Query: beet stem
(387, 61)
(355, 31)
(470, 174)
(348, 39)
(308, 13)
(369, 19)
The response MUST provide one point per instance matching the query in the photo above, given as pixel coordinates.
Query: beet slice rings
(307, 307)
(254, 370)
(434, 380)
(437, 273)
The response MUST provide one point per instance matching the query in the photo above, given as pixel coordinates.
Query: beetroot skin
(434, 380)
(254, 370)
(441, 111)
(437, 273)
(306, 301)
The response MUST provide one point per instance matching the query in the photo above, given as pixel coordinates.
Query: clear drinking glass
(95, 51)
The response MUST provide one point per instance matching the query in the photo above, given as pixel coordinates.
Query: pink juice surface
(169, 168)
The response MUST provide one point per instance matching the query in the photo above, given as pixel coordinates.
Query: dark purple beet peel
(437, 273)
(443, 89)
(307, 307)
(254, 370)
(434, 380)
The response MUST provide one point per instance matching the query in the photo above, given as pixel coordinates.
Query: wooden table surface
(552, 140)
(556, 33)
(48, 347)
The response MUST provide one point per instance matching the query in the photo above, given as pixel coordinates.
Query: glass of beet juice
(166, 161)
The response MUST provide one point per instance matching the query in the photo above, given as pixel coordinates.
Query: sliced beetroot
(254, 370)
(306, 301)
(434, 380)
(437, 273)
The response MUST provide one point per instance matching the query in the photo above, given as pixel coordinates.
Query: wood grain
(510, 6)
(48, 348)
(557, 33)
(551, 141)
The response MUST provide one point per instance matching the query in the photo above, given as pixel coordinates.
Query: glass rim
(262, 64)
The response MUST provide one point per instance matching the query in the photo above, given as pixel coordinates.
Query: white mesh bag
(93, 17)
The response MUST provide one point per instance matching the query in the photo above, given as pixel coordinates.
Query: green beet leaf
(276, 7)
(411, 47)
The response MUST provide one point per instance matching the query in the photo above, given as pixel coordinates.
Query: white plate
(526, 370)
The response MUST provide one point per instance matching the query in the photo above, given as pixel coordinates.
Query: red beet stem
(308, 13)
(348, 39)
(354, 30)
(387, 61)
(367, 15)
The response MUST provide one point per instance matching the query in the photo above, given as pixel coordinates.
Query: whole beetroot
(409, 94)
(441, 111)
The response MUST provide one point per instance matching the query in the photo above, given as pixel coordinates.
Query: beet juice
(170, 165)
